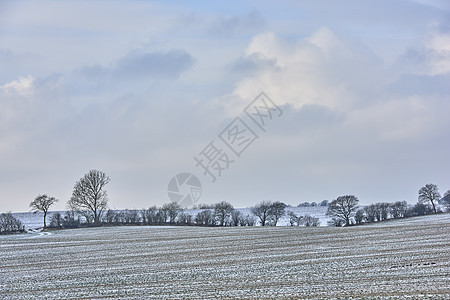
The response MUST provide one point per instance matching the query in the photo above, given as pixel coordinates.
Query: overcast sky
(137, 89)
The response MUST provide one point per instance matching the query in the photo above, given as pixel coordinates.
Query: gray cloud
(102, 94)
(249, 64)
(13, 62)
(235, 24)
(156, 65)
(412, 84)
(130, 72)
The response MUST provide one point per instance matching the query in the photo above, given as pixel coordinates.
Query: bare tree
(89, 195)
(276, 211)
(149, 215)
(382, 210)
(161, 216)
(130, 216)
(446, 199)
(205, 218)
(335, 222)
(344, 207)
(310, 221)
(323, 203)
(185, 219)
(398, 209)
(262, 211)
(248, 220)
(56, 220)
(42, 203)
(110, 216)
(171, 211)
(294, 220)
(359, 216)
(9, 224)
(421, 209)
(236, 218)
(371, 213)
(429, 194)
(222, 211)
(69, 220)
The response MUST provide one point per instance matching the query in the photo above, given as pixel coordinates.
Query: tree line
(345, 211)
(89, 201)
(223, 213)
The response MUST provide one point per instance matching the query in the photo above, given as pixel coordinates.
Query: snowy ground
(396, 259)
(36, 220)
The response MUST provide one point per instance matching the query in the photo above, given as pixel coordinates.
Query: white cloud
(439, 47)
(102, 87)
(319, 69)
(407, 119)
(21, 87)
(235, 24)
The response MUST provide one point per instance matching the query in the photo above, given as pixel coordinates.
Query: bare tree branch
(344, 207)
(89, 195)
(429, 194)
(42, 203)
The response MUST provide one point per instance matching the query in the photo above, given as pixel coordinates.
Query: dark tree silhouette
(56, 220)
(344, 207)
(382, 210)
(310, 221)
(294, 220)
(262, 211)
(323, 203)
(236, 218)
(205, 218)
(222, 211)
(171, 211)
(9, 224)
(370, 212)
(421, 209)
(42, 203)
(447, 199)
(276, 211)
(359, 216)
(89, 195)
(399, 209)
(429, 194)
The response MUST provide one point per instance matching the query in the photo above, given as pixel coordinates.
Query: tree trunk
(434, 207)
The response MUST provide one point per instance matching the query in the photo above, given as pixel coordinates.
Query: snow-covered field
(396, 259)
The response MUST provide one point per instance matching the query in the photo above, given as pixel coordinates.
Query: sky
(356, 94)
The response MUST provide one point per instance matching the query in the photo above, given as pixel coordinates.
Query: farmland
(396, 259)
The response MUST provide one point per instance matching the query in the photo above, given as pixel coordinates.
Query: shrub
(56, 221)
(9, 224)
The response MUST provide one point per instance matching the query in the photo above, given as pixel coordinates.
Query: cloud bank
(143, 89)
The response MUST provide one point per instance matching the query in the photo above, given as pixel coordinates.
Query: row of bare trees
(90, 201)
(220, 214)
(344, 210)
(269, 213)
